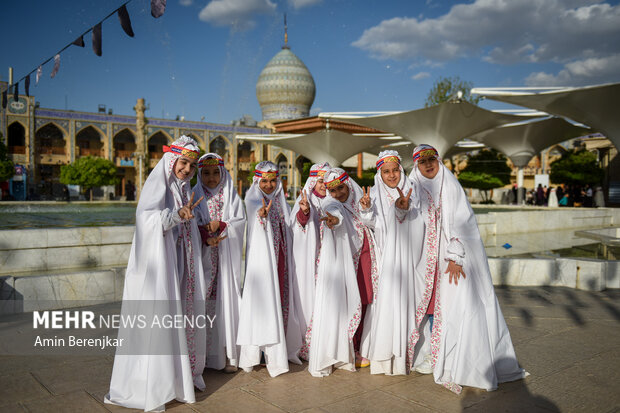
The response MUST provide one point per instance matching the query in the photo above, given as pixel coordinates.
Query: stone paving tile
(219, 381)
(234, 400)
(423, 390)
(66, 378)
(76, 402)
(596, 377)
(374, 401)
(19, 387)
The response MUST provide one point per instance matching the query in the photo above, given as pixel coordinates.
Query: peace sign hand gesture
(264, 211)
(403, 201)
(330, 220)
(304, 205)
(365, 200)
(186, 212)
(215, 241)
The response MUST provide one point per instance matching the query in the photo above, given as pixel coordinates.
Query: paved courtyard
(568, 340)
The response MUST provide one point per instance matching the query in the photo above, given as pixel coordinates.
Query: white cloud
(186, 2)
(421, 75)
(501, 32)
(298, 4)
(239, 14)
(580, 72)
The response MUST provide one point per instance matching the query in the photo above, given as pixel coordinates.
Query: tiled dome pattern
(285, 88)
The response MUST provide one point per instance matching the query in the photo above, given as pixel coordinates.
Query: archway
(89, 142)
(245, 158)
(156, 148)
(16, 138)
(220, 146)
(50, 153)
(282, 163)
(124, 143)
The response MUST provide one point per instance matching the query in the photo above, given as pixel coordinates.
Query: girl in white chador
(305, 225)
(221, 220)
(461, 336)
(396, 227)
(347, 277)
(268, 320)
(164, 277)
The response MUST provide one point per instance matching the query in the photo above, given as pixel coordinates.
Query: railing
(52, 150)
(91, 152)
(17, 150)
(123, 154)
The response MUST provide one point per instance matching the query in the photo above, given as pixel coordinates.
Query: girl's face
(319, 187)
(184, 168)
(211, 176)
(268, 185)
(390, 173)
(428, 166)
(341, 192)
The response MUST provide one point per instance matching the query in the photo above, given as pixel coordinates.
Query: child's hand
(213, 226)
(215, 241)
(455, 271)
(304, 205)
(365, 200)
(264, 211)
(403, 201)
(186, 212)
(330, 220)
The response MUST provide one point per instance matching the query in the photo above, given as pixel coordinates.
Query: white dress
(164, 277)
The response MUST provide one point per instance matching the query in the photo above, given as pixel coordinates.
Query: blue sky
(202, 58)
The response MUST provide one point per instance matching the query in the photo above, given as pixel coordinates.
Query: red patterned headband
(390, 158)
(319, 173)
(266, 174)
(428, 151)
(179, 150)
(337, 181)
(210, 162)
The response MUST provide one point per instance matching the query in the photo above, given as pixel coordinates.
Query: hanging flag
(123, 16)
(158, 7)
(79, 41)
(16, 92)
(27, 84)
(4, 100)
(56, 66)
(39, 73)
(97, 39)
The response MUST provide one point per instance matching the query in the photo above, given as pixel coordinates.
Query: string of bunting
(158, 7)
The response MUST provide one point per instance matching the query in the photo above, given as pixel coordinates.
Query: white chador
(222, 262)
(397, 232)
(306, 244)
(338, 306)
(470, 344)
(164, 278)
(268, 320)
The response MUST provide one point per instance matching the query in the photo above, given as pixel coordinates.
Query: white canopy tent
(328, 145)
(520, 142)
(594, 106)
(441, 125)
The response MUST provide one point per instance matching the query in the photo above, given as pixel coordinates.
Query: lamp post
(140, 158)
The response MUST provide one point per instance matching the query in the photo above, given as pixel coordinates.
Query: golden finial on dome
(285, 34)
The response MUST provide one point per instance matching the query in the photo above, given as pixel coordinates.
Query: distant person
(559, 192)
(130, 191)
(552, 201)
(540, 195)
(564, 201)
(65, 193)
(588, 195)
(599, 197)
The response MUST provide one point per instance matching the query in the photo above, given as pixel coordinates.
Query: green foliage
(367, 179)
(251, 175)
(485, 170)
(7, 169)
(578, 167)
(446, 88)
(305, 172)
(89, 172)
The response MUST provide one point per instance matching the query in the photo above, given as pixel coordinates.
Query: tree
(485, 170)
(7, 169)
(447, 88)
(577, 167)
(89, 172)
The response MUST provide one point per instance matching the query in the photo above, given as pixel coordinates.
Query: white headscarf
(432, 186)
(317, 171)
